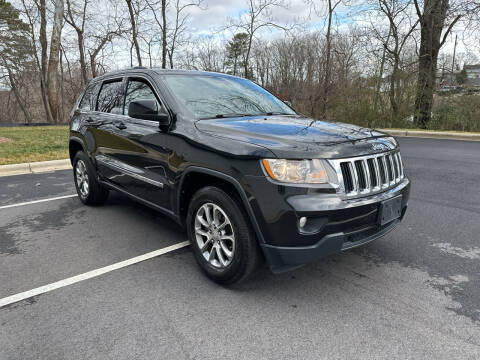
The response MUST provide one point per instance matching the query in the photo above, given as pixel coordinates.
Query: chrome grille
(368, 174)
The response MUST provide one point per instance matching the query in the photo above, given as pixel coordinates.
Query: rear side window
(88, 100)
(110, 97)
(138, 90)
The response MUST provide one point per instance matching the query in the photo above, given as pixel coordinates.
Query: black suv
(250, 178)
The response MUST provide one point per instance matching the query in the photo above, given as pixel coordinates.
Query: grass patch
(36, 143)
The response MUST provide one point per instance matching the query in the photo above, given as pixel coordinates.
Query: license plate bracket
(390, 210)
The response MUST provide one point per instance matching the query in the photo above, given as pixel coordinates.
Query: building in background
(473, 74)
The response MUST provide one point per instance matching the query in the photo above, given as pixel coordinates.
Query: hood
(296, 136)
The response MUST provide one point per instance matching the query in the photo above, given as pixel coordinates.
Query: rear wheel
(88, 188)
(222, 241)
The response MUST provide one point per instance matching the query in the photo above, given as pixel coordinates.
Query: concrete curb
(34, 167)
(432, 134)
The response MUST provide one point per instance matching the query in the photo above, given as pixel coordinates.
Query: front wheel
(223, 243)
(88, 188)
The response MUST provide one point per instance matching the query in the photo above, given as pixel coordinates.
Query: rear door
(108, 125)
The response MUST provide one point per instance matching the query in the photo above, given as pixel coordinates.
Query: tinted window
(207, 96)
(88, 100)
(110, 97)
(138, 90)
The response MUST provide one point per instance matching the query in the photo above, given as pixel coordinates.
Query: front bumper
(343, 224)
(282, 259)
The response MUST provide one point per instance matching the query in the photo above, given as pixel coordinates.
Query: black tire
(246, 255)
(95, 193)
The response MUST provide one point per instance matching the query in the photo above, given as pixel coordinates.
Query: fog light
(302, 221)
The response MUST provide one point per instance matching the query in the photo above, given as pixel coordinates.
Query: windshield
(210, 96)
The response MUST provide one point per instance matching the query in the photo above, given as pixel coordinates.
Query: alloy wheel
(214, 235)
(81, 177)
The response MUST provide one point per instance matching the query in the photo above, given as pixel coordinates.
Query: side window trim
(93, 97)
(120, 79)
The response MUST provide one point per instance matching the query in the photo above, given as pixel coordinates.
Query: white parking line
(88, 275)
(37, 201)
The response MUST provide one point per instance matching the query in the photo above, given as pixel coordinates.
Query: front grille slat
(385, 171)
(347, 177)
(354, 176)
(401, 164)
(366, 171)
(369, 174)
(391, 175)
(362, 179)
(373, 169)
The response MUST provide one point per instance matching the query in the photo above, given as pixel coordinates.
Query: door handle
(120, 125)
(89, 119)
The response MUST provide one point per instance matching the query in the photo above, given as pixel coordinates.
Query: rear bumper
(345, 224)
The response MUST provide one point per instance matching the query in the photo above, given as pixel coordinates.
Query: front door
(139, 166)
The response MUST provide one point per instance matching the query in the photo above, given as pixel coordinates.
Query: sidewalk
(433, 134)
(34, 167)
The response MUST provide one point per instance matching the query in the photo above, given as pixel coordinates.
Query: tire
(88, 188)
(245, 252)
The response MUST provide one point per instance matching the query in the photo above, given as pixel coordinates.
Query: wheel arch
(194, 178)
(75, 145)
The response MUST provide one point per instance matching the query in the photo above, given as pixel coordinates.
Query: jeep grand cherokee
(250, 178)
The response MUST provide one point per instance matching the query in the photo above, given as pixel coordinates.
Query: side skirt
(136, 198)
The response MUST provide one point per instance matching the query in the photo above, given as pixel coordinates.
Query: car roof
(155, 70)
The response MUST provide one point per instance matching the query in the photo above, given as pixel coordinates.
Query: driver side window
(138, 90)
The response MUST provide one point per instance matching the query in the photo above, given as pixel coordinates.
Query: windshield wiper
(276, 113)
(221, 116)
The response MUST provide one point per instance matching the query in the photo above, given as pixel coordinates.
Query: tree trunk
(43, 37)
(134, 32)
(380, 74)
(42, 8)
(431, 23)
(53, 82)
(393, 87)
(93, 66)
(326, 79)
(164, 34)
(83, 62)
(247, 56)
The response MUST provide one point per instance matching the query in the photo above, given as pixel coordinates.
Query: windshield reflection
(209, 96)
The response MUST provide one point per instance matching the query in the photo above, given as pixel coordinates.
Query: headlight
(296, 171)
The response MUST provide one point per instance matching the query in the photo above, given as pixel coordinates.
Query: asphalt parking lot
(414, 294)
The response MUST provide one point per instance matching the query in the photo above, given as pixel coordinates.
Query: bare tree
(436, 17)
(174, 33)
(53, 82)
(32, 12)
(332, 5)
(258, 16)
(100, 42)
(79, 27)
(177, 34)
(399, 33)
(133, 13)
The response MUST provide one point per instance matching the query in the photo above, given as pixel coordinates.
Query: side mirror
(148, 110)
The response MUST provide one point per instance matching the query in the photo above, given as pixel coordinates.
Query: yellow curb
(34, 167)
